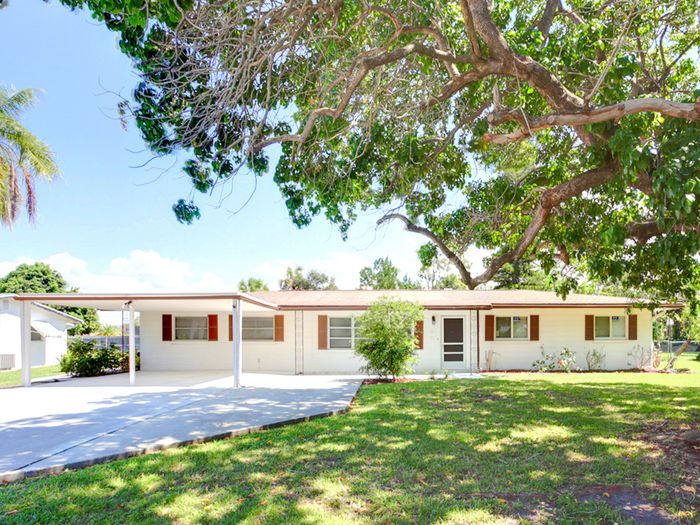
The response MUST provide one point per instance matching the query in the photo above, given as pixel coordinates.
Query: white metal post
(237, 354)
(132, 346)
(25, 320)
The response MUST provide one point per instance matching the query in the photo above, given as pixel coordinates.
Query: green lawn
(14, 377)
(504, 449)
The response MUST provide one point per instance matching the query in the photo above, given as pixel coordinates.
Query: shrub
(85, 358)
(386, 339)
(595, 359)
(566, 360)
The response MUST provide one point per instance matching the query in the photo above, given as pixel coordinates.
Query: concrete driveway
(78, 422)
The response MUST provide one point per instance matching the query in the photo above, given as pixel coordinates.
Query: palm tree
(23, 157)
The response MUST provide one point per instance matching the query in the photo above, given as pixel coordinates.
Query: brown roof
(436, 299)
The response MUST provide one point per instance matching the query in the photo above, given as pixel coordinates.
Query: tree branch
(685, 110)
(548, 200)
(643, 231)
(451, 256)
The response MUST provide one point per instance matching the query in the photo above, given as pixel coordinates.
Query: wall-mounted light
(433, 319)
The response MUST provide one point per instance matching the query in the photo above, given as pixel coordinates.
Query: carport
(200, 302)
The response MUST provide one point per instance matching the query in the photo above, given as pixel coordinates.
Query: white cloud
(141, 271)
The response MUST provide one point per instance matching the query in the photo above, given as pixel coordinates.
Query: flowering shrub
(566, 360)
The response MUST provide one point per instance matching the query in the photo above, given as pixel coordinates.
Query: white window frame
(187, 339)
(266, 339)
(511, 338)
(353, 332)
(611, 337)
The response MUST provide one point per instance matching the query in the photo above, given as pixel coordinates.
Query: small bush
(595, 359)
(386, 339)
(85, 358)
(566, 361)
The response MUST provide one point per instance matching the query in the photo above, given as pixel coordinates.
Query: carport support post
(25, 321)
(132, 346)
(237, 355)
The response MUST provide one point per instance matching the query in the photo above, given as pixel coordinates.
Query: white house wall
(300, 352)
(258, 356)
(561, 328)
(316, 361)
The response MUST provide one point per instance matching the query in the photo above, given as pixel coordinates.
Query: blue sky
(107, 225)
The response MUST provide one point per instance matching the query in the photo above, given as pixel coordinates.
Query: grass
(503, 449)
(14, 377)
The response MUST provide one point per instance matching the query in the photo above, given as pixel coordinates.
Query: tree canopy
(313, 280)
(41, 278)
(541, 130)
(252, 284)
(23, 157)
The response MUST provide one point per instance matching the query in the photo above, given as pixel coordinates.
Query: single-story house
(314, 332)
(48, 334)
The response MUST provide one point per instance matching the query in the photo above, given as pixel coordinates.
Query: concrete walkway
(78, 422)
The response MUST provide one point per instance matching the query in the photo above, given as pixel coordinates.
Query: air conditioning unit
(7, 361)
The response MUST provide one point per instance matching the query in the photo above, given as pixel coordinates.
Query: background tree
(313, 280)
(435, 272)
(382, 275)
(584, 116)
(23, 157)
(521, 275)
(41, 278)
(252, 284)
(386, 338)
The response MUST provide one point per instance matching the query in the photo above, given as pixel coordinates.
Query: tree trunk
(672, 361)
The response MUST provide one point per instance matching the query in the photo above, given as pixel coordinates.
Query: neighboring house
(309, 332)
(48, 333)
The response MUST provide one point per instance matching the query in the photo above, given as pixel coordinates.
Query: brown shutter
(488, 328)
(230, 327)
(213, 327)
(167, 327)
(323, 332)
(279, 328)
(419, 335)
(589, 327)
(534, 328)
(632, 328)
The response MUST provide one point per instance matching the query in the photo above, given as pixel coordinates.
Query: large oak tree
(549, 131)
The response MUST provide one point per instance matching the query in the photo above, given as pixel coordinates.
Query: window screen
(191, 328)
(258, 328)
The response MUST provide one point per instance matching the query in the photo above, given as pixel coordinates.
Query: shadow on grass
(490, 450)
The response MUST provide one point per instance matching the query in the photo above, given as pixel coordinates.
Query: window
(258, 328)
(36, 336)
(191, 328)
(342, 332)
(514, 327)
(610, 327)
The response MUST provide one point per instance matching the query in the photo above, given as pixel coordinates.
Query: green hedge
(85, 358)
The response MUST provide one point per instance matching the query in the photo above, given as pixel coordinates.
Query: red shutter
(323, 332)
(488, 328)
(279, 328)
(213, 327)
(167, 327)
(230, 327)
(632, 328)
(590, 323)
(419, 335)
(534, 328)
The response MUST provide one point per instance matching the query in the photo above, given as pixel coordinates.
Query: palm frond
(13, 103)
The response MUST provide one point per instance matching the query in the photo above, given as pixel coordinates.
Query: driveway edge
(17, 475)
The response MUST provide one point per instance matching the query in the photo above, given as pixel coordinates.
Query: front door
(453, 346)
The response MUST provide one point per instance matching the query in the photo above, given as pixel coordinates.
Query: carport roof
(145, 302)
